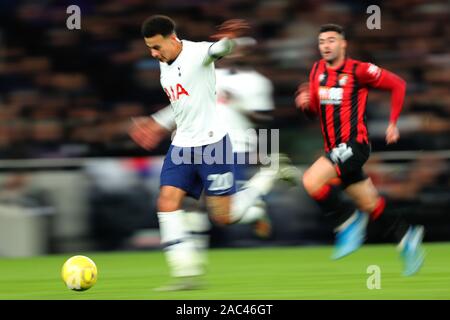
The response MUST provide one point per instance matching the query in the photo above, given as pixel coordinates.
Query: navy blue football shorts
(193, 169)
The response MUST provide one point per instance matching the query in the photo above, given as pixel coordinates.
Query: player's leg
(366, 197)
(224, 203)
(280, 168)
(217, 171)
(227, 206)
(243, 206)
(316, 178)
(170, 198)
(179, 249)
(199, 226)
(317, 183)
(344, 162)
(256, 214)
(246, 206)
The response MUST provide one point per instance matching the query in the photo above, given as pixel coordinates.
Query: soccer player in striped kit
(337, 93)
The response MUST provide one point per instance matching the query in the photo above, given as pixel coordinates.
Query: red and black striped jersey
(339, 98)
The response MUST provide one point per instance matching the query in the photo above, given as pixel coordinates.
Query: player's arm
(383, 79)
(165, 118)
(218, 50)
(225, 39)
(260, 117)
(306, 98)
(148, 132)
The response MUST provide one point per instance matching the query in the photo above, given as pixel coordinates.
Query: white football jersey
(238, 92)
(190, 86)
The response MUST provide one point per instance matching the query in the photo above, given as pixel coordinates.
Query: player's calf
(219, 208)
(221, 219)
(375, 207)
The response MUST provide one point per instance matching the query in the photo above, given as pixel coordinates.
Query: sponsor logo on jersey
(330, 95)
(374, 70)
(175, 94)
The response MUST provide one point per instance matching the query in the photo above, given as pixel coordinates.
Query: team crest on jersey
(342, 79)
(330, 95)
(321, 77)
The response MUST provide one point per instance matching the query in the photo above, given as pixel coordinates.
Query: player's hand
(302, 97)
(231, 29)
(392, 133)
(146, 132)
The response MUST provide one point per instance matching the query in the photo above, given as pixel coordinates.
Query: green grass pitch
(291, 273)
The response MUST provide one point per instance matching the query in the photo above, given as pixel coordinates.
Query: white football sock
(242, 201)
(199, 226)
(259, 185)
(253, 214)
(181, 254)
(263, 180)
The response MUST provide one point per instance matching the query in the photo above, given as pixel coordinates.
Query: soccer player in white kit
(188, 78)
(243, 97)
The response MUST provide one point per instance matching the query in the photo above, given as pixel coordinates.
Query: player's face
(164, 49)
(331, 45)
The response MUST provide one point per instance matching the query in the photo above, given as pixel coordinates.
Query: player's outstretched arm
(224, 37)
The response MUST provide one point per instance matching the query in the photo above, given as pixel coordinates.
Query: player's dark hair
(157, 24)
(332, 27)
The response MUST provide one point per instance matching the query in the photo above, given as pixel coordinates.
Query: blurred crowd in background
(71, 93)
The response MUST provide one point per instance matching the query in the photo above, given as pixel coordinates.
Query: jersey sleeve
(165, 118)
(217, 50)
(373, 76)
(313, 92)
(368, 73)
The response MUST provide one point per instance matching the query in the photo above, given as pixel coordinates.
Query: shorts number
(220, 181)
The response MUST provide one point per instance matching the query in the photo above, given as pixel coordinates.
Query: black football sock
(332, 203)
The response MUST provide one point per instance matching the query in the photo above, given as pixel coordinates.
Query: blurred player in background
(337, 94)
(188, 78)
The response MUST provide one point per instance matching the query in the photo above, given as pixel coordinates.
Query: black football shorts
(349, 159)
